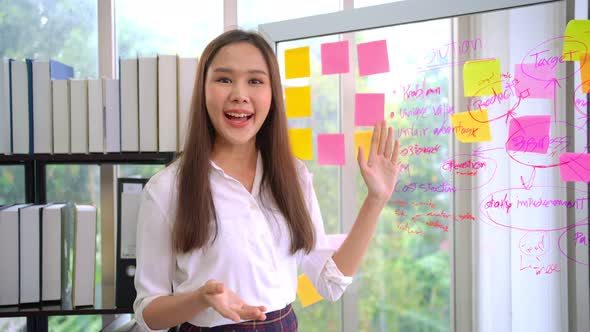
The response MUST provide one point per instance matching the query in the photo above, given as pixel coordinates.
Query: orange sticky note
(472, 126)
(297, 62)
(585, 73)
(306, 293)
(482, 78)
(577, 40)
(298, 101)
(363, 138)
(301, 143)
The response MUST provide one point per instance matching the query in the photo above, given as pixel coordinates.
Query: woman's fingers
(395, 154)
(213, 287)
(361, 158)
(382, 143)
(382, 138)
(229, 314)
(374, 143)
(388, 143)
(251, 312)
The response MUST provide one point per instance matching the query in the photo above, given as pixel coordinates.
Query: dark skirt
(283, 320)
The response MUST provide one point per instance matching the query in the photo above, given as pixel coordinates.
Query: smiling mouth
(238, 117)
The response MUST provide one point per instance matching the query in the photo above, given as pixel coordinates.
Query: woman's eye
(223, 80)
(255, 81)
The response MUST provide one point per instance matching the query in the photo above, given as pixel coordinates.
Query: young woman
(223, 229)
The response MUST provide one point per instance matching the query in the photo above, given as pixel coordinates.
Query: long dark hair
(195, 213)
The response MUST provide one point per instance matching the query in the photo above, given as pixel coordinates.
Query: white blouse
(250, 254)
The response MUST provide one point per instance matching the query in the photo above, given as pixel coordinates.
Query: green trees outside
(404, 282)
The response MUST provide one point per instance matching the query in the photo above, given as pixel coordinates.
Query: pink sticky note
(373, 57)
(335, 58)
(368, 108)
(538, 80)
(331, 149)
(529, 134)
(575, 167)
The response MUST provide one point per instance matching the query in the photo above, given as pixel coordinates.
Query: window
(404, 284)
(513, 278)
(367, 3)
(251, 13)
(475, 236)
(62, 30)
(13, 324)
(79, 184)
(12, 184)
(183, 27)
(413, 254)
(139, 170)
(325, 119)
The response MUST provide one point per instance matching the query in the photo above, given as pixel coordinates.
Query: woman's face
(237, 93)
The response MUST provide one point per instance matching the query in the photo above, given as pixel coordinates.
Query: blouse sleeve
(318, 265)
(155, 262)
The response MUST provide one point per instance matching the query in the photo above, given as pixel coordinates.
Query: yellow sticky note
(306, 293)
(577, 40)
(298, 101)
(472, 126)
(301, 143)
(297, 62)
(362, 138)
(482, 78)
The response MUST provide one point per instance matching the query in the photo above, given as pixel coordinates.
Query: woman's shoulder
(300, 166)
(162, 186)
(303, 173)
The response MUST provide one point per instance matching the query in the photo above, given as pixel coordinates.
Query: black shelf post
(40, 182)
(29, 181)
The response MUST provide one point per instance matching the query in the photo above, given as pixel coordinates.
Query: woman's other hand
(228, 303)
(381, 169)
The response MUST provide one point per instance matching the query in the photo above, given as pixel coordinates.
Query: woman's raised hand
(381, 169)
(228, 303)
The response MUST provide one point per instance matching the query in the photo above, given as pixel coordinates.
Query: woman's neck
(236, 161)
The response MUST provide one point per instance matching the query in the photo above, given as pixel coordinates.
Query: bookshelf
(35, 192)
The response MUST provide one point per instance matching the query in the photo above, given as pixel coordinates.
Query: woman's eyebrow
(230, 71)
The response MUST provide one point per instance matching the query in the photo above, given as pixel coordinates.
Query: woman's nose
(238, 94)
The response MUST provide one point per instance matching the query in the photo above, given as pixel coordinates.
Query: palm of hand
(229, 304)
(381, 169)
(227, 300)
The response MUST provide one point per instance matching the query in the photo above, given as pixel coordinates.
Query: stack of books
(47, 254)
(44, 110)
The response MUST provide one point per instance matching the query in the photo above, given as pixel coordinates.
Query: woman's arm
(168, 311)
(380, 175)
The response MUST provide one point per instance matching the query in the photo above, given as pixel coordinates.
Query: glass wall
(408, 259)
(405, 279)
(325, 119)
(480, 105)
